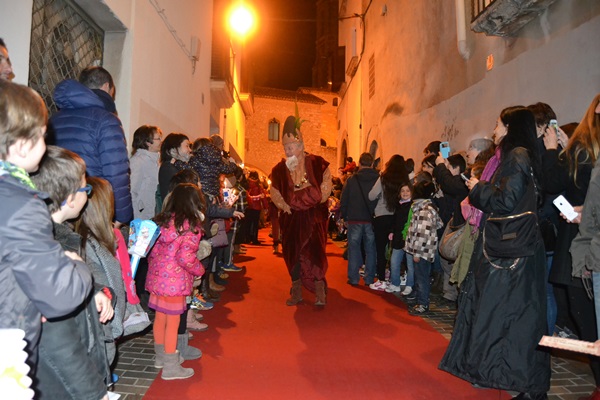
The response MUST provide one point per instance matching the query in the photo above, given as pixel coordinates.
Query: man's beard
(291, 162)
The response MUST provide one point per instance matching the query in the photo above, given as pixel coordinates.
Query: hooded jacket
(85, 126)
(172, 263)
(36, 276)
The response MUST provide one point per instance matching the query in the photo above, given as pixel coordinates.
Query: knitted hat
(290, 133)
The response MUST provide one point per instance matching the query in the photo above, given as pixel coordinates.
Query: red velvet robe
(304, 231)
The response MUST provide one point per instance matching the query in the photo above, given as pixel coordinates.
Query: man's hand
(104, 307)
(238, 214)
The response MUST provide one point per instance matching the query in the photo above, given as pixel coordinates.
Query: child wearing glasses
(39, 279)
(73, 360)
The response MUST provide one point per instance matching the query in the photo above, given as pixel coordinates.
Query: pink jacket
(172, 262)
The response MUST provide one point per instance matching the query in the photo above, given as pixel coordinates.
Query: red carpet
(362, 345)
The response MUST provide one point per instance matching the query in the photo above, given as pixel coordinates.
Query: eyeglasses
(87, 189)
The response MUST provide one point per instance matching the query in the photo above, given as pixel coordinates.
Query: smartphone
(554, 124)
(464, 177)
(445, 149)
(565, 207)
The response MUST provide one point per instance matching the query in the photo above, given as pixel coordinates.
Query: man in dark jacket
(357, 210)
(87, 125)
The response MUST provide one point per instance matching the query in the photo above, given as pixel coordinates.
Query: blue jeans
(596, 282)
(358, 235)
(422, 273)
(551, 307)
(395, 264)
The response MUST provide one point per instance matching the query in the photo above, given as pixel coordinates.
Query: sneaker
(403, 280)
(198, 304)
(419, 309)
(392, 288)
(232, 268)
(379, 285)
(361, 271)
(407, 290)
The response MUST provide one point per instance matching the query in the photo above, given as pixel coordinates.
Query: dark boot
(214, 285)
(296, 292)
(320, 293)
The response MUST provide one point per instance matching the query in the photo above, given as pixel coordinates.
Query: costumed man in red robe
(301, 185)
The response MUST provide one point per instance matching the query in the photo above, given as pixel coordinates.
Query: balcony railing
(479, 6)
(505, 17)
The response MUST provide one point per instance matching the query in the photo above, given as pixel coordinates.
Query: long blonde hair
(586, 139)
(96, 219)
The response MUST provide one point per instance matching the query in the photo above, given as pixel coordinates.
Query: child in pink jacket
(172, 266)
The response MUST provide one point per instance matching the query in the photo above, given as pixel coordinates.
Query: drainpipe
(461, 30)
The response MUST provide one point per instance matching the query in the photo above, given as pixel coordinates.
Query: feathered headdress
(291, 128)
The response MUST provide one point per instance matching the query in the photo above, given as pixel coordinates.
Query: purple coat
(172, 262)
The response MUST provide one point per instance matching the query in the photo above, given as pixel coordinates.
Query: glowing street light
(241, 20)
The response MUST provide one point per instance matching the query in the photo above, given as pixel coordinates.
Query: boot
(320, 293)
(159, 360)
(296, 292)
(193, 324)
(213, 285)
(187, 352)
(159, 351)
(172, 369)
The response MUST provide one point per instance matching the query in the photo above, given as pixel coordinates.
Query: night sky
(283, 48)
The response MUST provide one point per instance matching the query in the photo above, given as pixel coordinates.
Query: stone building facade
(272, 106)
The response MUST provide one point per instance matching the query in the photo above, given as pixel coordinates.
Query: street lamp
(242, 20)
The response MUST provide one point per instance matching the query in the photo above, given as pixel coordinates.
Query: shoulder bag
(513, 236)
(451, 240)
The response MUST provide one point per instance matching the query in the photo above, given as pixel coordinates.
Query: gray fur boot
(187, 352)
(159, 351)
(173, 370)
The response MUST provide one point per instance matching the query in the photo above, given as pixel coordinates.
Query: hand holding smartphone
(554, 125)
(565, 208)
(445, 149)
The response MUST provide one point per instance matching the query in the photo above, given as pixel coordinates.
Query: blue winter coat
(85, 126)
